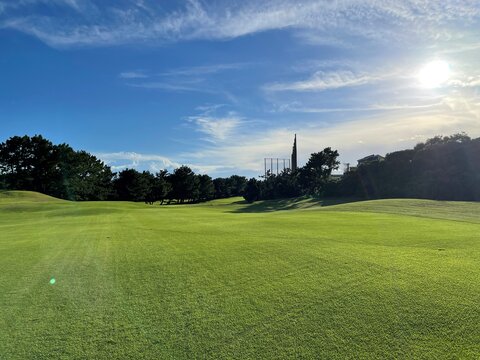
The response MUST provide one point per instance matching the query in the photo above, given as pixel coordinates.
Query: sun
(434, 74)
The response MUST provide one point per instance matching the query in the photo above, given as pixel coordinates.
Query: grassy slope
(379, 279)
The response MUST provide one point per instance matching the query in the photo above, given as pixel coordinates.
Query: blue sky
(219, 85)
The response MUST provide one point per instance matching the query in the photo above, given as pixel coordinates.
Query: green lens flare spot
(52, 281)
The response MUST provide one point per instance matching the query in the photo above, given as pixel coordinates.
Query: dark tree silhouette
(34, 163)
(252, 190)
(206, 189)
(231, 186)
(161, 187)
(29, 163)
(131, 185)
(184, 184)
(316, 173)
(443, 168)
(83, 176)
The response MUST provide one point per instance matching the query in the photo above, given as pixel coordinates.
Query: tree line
(36, 164)
(442, 168)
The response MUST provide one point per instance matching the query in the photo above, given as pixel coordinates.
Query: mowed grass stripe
(210, 281)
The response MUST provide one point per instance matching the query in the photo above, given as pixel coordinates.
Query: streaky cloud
(376, 107)
(321, 81)
(382, 21)
(138, 74)
(203, 69)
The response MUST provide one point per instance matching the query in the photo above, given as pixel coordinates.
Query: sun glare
(434, 74)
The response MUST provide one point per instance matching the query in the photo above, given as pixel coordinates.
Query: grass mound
(25, 196)
(448, 210)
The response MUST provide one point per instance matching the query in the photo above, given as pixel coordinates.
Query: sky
(220, 85)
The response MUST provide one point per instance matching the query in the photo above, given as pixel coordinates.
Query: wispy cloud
(467, 81)
(178, 86)
(218, 128)
(370, 19)
(185, 79)
(136, 74)
(312, 65)
(312, 37)
(298, 108)
(8, 5)
(203, 69)
(72, 3)
(321, 81)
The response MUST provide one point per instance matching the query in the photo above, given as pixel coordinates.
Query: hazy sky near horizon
(219, 85)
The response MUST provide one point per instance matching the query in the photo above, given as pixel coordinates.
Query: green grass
(360, 280)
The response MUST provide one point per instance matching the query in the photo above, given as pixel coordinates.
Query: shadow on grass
(289, 204)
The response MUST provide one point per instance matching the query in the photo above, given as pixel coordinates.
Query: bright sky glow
(434, 74)
(219, 85)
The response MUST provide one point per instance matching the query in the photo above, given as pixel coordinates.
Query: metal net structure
(275, 166)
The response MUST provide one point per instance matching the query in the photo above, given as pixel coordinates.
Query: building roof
(370, 158)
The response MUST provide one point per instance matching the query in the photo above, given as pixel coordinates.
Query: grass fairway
(368, 280)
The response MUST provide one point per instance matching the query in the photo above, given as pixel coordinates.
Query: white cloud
(217, 128)
(384, 21)
(466, 81)
(123, 159)
(324, 81)
(217, 123)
